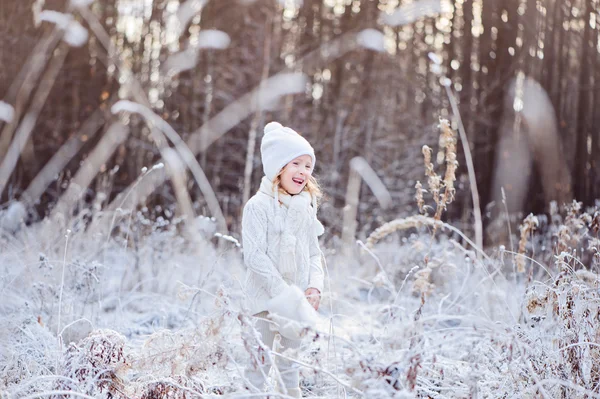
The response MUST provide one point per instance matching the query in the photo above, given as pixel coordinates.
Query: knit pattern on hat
(279, 146)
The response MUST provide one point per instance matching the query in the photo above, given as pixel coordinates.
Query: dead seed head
(419, 197)
(529, 225)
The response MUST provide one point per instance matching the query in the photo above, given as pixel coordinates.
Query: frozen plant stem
(448, 139)
(512, 247)
(21, 87)
(470, 169)
(62, 285)
(360, 170)
(189, 159)
(417, 221)
(115, 135)
(529, 225)
(51, 393)
(26, 127)
(119, 209)
(319, 369)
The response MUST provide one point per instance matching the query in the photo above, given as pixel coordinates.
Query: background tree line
(382, 105)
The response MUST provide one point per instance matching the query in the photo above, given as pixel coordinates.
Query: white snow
(436, 59)
(213, 38)
(12, 218)
(81, 3)
(165, 310)
(60, 19)
(7, 112)
(206, 226)
(291, 3)
(436, 69)
(75, 34)
(411, 12)
(173, 161)
(181, 61)
(186, 12)
(188, 58)
(229, 238)
(280, 85)
(126, 105)
(371, 39)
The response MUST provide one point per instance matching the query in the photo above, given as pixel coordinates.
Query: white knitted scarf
(298, 207)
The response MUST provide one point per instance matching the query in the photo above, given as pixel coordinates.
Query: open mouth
(298, 181)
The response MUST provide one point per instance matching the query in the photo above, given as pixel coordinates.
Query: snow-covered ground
(154, 312)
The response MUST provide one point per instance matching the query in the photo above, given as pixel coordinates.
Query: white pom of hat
(272, 126)
(281, 145)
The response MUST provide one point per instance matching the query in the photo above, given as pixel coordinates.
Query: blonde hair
(312, 186)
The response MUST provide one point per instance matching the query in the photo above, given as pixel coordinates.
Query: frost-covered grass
(150, 313)
(143, 280)
(142, 305)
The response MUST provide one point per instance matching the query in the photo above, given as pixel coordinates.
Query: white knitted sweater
(280, 244)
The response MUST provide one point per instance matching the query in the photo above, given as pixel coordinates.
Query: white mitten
(318, 227)
(291, 312)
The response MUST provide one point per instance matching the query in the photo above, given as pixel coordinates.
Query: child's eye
(296, 163)
(307, 166)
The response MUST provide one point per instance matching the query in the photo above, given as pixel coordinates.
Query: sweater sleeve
(316, 279)
(254, 241)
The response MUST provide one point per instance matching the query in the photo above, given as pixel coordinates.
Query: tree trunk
(582, 163)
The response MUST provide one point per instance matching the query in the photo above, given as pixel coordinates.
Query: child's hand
(313, 296)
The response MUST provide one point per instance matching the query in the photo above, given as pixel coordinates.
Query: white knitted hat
(279, 146)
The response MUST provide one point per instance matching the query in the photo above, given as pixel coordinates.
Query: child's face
(295, 174)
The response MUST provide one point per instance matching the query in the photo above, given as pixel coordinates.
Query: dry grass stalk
(436, 183)
(579, 233)
(418, 221)
(595, 223)
(422, 283)
(400, 224)
(433, 180)
(564, 239)
(470, 167)
(529, 225)
(594, 248)
(419, 197)
(573, 302)
(448, 141)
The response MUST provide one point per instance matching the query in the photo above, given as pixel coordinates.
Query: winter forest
(458, 151)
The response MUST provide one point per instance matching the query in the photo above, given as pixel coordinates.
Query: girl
(281, 249)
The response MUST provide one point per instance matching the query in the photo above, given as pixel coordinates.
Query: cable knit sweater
(280, 244)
